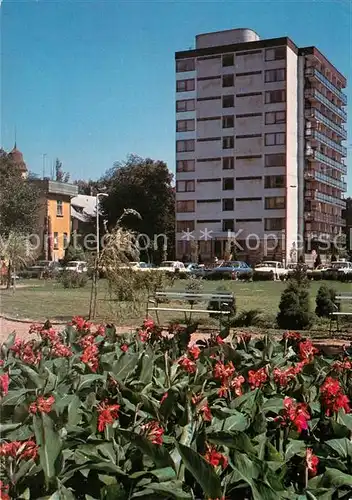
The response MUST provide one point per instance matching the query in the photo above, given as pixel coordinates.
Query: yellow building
(55, 217)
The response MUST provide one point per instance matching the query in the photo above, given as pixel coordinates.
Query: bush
(294, 307)
(325, 301)
(89, 414)
(74, 252)
(254, 317)
(72, 279)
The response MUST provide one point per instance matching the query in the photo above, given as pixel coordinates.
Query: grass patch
(40, 300)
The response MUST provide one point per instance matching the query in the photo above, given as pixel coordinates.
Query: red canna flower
(87, 340)
(223, 372)
(307, 350)
(292, 336)
(4, 489)
(2, 362)
(205, 412)
(90, 357)
(42, 405)
(188, 365)
(26, 352)
(100, 330)
(61, 350)
(165, 395)
(341, 366)
(236, 385)
(25, 450)
(294, 413)
(80, 323)
(215, 458)
(143, 335)
(284, 377)
(194, 352)
(124, 347)
(223, 391)
(312, 462)
(333, 398)
(153, 431)
(148, 323)
(107, 415)
(219, 340)
(257, 378)
(49, 334)
(4, 384)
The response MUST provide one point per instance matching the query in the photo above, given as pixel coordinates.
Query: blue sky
(91, 81)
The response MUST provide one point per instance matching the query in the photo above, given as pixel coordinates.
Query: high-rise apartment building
(259, 153)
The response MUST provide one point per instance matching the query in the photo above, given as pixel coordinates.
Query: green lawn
(39, 300)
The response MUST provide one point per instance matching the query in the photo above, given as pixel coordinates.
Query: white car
(270, 268)
(78, 266)
(172, 266)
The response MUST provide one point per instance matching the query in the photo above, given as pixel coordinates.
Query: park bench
(156, 303)
(341, 298)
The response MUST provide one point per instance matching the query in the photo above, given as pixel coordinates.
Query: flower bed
(87, 414)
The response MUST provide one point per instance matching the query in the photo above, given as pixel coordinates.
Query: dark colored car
(43, 269)
(230, 270)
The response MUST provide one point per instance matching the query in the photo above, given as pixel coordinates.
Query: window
(185, 186)
(228, 121)
(65, 240)
(228, 204)
(185, 85)
(275, 75)
(185, 206)
(228, 142)
(275, 202)
(56, 241)
(185, 65)
(228, 80)
(276, 139)
(273, 96)
(185, 105)
(185, 125)
(275, 54)
(228, 101)
(184, 225)
(204, 247)
(185, 166)
(184, 146)
(228, 163)
(275, 117)
(227, 60)
(275, 160)
(274, 181)
(228, 184)
(274, 224)
(228, 225)
(59, 208)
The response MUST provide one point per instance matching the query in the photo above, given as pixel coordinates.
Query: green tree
(60, 175)
(17, 252)
(294, 312)
(145, 186)
(325, 301)
(19, 200)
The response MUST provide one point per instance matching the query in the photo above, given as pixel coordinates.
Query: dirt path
(328, 345)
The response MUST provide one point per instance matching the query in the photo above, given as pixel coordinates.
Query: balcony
(324, 139)
(313, 113)
(325, 198)
(314, 94)
(326, 179)
(314, 73)
(315, 216)
(314, 155)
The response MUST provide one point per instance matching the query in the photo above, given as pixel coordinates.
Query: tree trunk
(9, 272)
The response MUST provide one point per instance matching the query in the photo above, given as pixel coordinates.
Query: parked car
(230, 270)
(337, 269)
(78, 266)
(317, 273)
(42, 269)
(173, 266)
(292, 267)
(270, 270)
(195, 270)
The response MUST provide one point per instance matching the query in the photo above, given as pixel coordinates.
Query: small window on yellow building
(59, 209)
